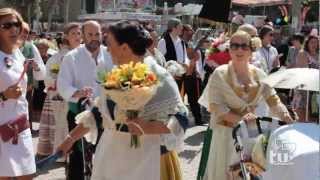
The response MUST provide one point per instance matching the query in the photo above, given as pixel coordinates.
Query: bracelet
(3, 97)
(137, 126)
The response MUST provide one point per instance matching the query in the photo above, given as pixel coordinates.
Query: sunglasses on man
(9, 25)
(235, 46)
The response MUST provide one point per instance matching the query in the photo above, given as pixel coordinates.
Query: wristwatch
(2, 97)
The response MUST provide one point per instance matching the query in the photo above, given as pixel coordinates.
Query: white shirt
(55, 59)
(79, 70)
(265, 58)
(181, 51)
(200, 65)
(13, 108)
(158, 57)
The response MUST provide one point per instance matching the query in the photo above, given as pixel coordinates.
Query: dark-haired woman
(267, 57)
(53, 124)
(308, 58)
(114, 158)
(296, 41)
(16, 149)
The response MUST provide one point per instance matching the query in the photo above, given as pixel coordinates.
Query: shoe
(34, 133)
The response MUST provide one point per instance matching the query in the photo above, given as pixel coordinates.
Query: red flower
(220, 57)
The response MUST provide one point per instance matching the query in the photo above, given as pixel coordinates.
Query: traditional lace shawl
(162, 107)
(220, 96)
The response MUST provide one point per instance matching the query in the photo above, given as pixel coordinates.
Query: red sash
(11, 130)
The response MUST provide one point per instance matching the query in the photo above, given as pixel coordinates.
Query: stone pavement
(189, 158)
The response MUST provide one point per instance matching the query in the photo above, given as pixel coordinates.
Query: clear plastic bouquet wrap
(131, 86)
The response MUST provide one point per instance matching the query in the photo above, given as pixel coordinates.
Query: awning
(256, 3)
(116, 16)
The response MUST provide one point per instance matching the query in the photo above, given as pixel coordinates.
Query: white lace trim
(161, 111)
(87, 120)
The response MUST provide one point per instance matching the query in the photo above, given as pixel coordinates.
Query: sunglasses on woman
(9, 25)
(235, 46)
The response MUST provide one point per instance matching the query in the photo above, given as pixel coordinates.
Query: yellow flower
(130, 74)
(54, 68)
(140, 67)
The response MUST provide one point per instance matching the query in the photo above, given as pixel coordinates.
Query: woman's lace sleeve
(177, 123)
(277, 108)
(87, 119)
(212, 97)
(219, 109)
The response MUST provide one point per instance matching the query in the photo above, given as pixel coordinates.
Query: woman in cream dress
(233, 93)
(114, 158)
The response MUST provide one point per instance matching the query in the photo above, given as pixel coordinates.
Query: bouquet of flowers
(218, 53)
(130, 86)
(175, 69)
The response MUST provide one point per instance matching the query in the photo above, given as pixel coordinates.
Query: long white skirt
(17, 160)
(116, 160)
(222, 153)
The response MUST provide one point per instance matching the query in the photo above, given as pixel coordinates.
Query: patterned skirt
(46, 129)
(61, 124)
(170, 166)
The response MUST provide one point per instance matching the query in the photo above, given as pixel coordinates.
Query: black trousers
(75, 166)
(192, 86)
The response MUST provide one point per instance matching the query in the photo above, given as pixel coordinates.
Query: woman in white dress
(153, 51)
(53, 123)
(233, 93)
(16, 149)
(114, 158)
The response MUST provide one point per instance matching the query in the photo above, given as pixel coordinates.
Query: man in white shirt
(172, 47)
(77, 80)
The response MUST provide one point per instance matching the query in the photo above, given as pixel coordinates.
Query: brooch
(8, 62)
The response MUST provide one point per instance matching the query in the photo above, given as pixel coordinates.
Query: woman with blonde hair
(16, 148)
(232, 94)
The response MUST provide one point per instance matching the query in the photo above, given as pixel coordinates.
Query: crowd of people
(48, 80)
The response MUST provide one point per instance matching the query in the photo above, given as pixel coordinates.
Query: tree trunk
(29, 6)
(53, 4)
(296, 13)
(67, 5)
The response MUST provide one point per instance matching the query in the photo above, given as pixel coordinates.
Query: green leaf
(101, 75)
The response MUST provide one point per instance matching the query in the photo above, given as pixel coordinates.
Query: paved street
(189, 158)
